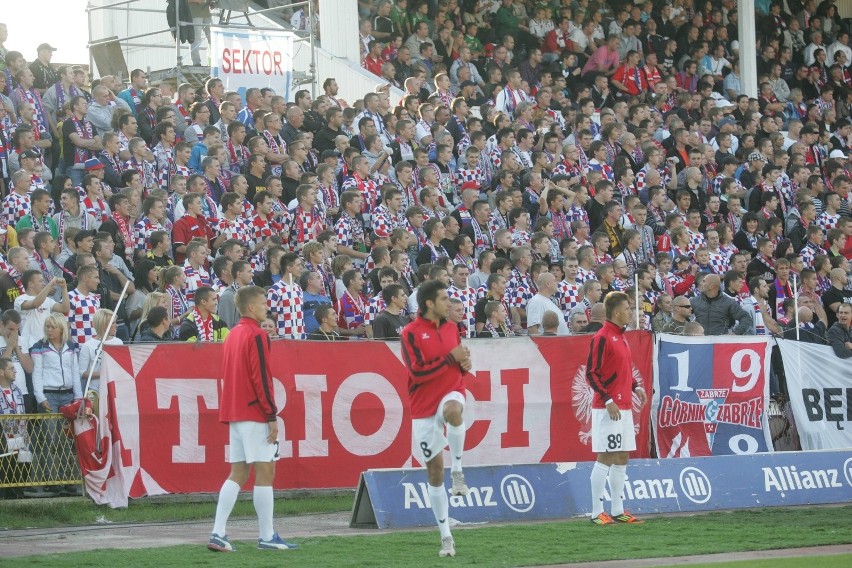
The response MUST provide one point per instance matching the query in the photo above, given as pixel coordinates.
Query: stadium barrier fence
(37, 450)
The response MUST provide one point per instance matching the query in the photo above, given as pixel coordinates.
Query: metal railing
(37, 450)
(231, 20)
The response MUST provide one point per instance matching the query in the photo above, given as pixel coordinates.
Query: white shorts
(610, 435)
(428, 433)
(248, 443)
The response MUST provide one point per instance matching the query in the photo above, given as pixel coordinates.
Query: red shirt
(247, 386)
(632, 78)
(610, 368)
(432, 371)
(374, 66)
(187, 228)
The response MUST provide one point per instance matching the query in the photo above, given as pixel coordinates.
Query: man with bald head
(812, 328)
(597, 317)
(541, 303)
(718, 313)
(102, 107)
(293, 128)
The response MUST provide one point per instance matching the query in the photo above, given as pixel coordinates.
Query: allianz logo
(515, 490)
(790, 478)
(692, 482)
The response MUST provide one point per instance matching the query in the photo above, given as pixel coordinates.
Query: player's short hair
(428, 292)
(613, 301)
(245, 296)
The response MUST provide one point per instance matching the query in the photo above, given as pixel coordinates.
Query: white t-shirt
(536, 308)
(20, 378)
(87, 358)
(32, 321)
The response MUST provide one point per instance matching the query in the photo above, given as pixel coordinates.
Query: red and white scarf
(126, 233)
(85, 131)
(205, 327)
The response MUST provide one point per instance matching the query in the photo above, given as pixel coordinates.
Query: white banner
(247, 58)
(820, 387)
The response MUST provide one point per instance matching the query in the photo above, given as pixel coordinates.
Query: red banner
(344, 409)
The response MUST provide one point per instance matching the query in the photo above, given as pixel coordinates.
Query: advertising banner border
(529, 492)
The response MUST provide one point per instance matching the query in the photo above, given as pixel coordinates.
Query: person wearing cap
(30, 162)
(38, 217)
(93, 201)
(752, 168)
(45, 75)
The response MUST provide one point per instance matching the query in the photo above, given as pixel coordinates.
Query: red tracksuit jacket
(247, 387)
(610, 368)
(432, 371)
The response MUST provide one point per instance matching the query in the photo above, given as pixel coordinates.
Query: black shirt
(388, 326)
(832, 296)
(320, 335)
(324, 139)
(290, 185)
(68, 147)
(45, 75)
(596, 214)
(8, 291)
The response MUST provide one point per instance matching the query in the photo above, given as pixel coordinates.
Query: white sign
(246, 58)
(820, 394)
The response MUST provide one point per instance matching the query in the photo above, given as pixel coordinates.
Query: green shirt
(44, 224)
(473, 43)
(505, 21)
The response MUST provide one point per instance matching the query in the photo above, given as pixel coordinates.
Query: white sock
(440, 508)
(617, 475)
(455, 436)
(263, 506)
(598, 477)
(227, 497)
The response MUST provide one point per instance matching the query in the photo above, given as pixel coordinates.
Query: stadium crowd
(543, 154)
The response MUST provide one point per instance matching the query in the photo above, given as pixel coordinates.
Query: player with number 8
(610, 374)
(437, 363)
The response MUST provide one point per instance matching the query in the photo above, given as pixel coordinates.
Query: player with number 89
(437, 362)
(610, 374)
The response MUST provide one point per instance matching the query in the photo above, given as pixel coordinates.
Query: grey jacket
(837, 336)
(718, 315)
(227, 310)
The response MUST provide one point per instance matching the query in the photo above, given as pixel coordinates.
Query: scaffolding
(232, 14)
